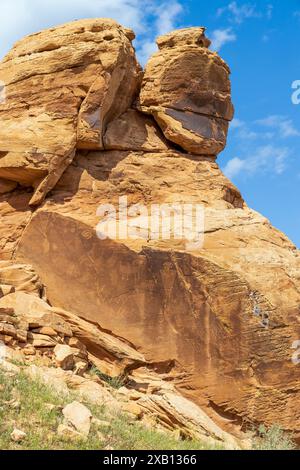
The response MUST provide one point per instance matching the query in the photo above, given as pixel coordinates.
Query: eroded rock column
(186, 88)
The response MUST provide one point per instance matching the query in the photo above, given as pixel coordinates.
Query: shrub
(273, 438)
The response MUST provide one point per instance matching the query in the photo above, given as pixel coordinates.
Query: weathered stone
(173, 411)
(14, 355)
(76, 343)
(112, 355)
(211, 283)
(67, 432)
(45, 330)
(52, 377)
(64, 357)
(6, 329)
(6, 339)
(134, 131)
(81, 367)
(9, 319)
(21, 335)
(78, 416)
(20, 277)
(92, 392)
(186, 88)
(41, 341)
(35, 311)
(6, 289)
(29, 350)
(9, 367)
(219, 320)
(7, 186)
(17, 435)
(7, 311)
(15, 214)
(79, 77)
(133, 409)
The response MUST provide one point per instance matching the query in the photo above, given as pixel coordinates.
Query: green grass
(40, 423)
(273, 438)
(114, 382)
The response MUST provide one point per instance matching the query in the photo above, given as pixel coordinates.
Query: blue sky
(261, 43)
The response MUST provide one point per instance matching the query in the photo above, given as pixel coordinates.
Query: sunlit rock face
(186, 88)
(62, 86)
(80, 128)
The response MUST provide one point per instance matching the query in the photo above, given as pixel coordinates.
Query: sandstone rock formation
(63, 86)
(219, 320)
(186, 88)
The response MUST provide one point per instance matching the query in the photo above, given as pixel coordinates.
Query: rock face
(186, 88)
(219, 319)
(63, 86)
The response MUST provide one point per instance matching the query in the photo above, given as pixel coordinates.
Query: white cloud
(268, 158)
(145, 50)
(238, 14)
(243, 130)
(236, 123)
(234, 167)
(166, 16)
(21, 17)
(162, 20)
(282, 124)
(220, 37)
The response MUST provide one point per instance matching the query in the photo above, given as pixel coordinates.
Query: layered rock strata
(220, 320)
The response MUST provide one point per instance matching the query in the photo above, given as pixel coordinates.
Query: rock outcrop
(186, 88)
(63, 86)
(218, 319)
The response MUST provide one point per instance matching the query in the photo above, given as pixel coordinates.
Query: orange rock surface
(221, 319)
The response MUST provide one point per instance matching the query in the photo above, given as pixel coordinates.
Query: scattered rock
(78, 416)
(17, 435)
(81, 368)
(29, 350)
(133, 409)
(45, 330)
(35, 311)
(64, 357)
(21, 277)
(67, 432)
(50, 376)
(7, 311)
(6, 329)
(77, 344)
(9, 319)
(41, 341)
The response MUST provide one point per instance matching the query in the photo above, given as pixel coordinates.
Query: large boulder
(186, 88)
(63, 86)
